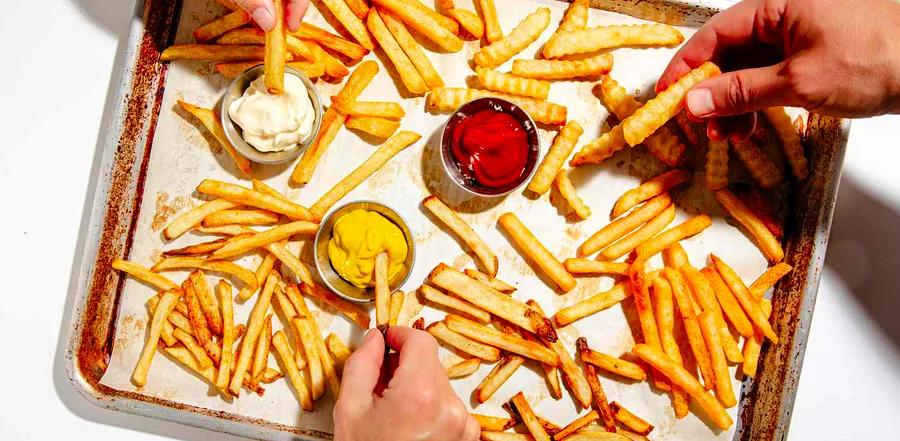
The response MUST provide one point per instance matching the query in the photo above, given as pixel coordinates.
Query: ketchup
(491, 148)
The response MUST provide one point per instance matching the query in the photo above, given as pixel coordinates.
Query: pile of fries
(485, 323)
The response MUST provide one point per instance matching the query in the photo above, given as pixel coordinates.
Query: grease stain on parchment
(166, 209)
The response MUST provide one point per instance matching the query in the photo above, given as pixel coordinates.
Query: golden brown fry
(576, 426)
(254, 328)
(143, 274)
(226, 358)
(212, 124)
(650, 188)
(630, 420)
(501, 340)
(706, 298)
(208, 302)
(338, 349)
(505, 436)
(360, 8)
(246, 196)
(563, 69)
(641, 235)
(282, 349)
(380, 109)
(379, 127)
(464, 232)
(381, 156)
(511, 84)
(200, 249)
(413, 50)
(590, 266)
(261, 353)
(463, 368)
(194, 216)
(199, 325)
(688, 228)
(612, 364)
(529, 245)
(316, 375)
(226, 230)
(744, 297)
(163, 308)
(240, 217)
(492, 423)
(765, 240)
(435, 296)
(496, 284)
(332, 122)
(221, 25)
(758, 163)
(382, 289)
(492, 30)
(716, 164)
(351, 22)
(661, 297)
(289, 260)
(594, 304)
(175, 263)
(768, 279)
(575, 17)
(691, 327)
(214, 52)
(334, 42)
(451, 98)
(328, 368)
(567, 190)
(618, 228)
(411, 78)
(790, 141)
(729, 303)
(425, 21)
(720, 366)
(440, 331)
(610, 37)
(654, 113)
(530, 420)
(334, 68)
(276, 48)
(674, 256)
(525, 33)
(350, 310)
(753, 344)
(600, 404)
(468, 20)
(498, 375)
(394, 307)
(571, 373)
(263, 238)
(562, 146)
(262, 271)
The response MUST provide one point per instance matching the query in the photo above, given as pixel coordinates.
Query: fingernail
(700, 102)
(264, 18)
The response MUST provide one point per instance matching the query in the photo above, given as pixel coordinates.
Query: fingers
(262, 12)
(741, 91)
(294, 12)
(735, 128)
(361, 371)
(472, 431)
(413, 345)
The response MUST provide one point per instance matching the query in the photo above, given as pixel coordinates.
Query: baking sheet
(180, 157)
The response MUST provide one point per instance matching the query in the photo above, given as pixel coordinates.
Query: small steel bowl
(234, 133)
(327, 273)
(452, 168)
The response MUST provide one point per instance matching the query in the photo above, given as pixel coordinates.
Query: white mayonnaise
(272, 123)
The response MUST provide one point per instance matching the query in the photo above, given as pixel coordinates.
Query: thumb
(740, 91)
(361, 371)
(262, 12)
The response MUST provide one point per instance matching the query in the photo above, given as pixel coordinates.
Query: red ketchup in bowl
(492, 145)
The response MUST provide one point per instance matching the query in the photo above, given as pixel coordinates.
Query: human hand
(263, 12)
(404, 397)
(836, 57)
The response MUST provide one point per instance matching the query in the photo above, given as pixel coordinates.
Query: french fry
(590, 266)
(334, 68)
(630, 420)
(413, 50)
(351, 311)
(194, 216)
(674, 256)
(246, 196)
(498, 375)
(199, 325)
(334, 42)
(450, 98)
(379, 127)
(765, 240)
(530, 420)
(706, 297)
(143, 274)
(618, 228)
(575, 426)
(395, 305)
(567, 190)
(261, 353)
(466, 308)
(683, 378)
(501, 340)
(650, 188)
(332, 122)
(288, 259)
(529, 245)
(381, 156)
(720, 366)
(338, 349)
(513, 85)
(380, 109)
(716, 164)
(254, 328)
(691, 327)
(600, 149)
(351, 22)
(492, 301)
(382, 290)
(464, 232)
(790, 141)
(761, 167)
(262, 271)
(654, 113)
(753, 344)
(600, 404)
(496, 284)
(575, 17)
(440, 331)
(276, 48)
(424, 21)
(328, 369)
(768, 279)
(744, 297)
(525, 33)
(200, 249)
(317, 378)
(504, 436)
(593, 304)
(641, 235)
(183, 356)
(445, 22)
(572, 374)
(729, 303)
(263, 238)
(688, 228)
(411, 78)
(211, 122)
(611, 364)
(563, 69)
(492, 423)
(360, 8)
(225, 230)
(492, 29)
(283, 350)
(253, 35)
(463, 368)
(468, 20)
(240, 217)
(174, 263)
(208, 303)
(562, 146)
(611, 37)
(221, 25)
(226, 358)
(661, 297)
(163, 308)
(214, 52)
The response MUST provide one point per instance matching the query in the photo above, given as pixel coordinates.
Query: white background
(60, 64)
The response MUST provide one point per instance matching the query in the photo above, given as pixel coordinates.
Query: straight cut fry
(590, 266)
(359, 7)
(173, 263)
(351, 22)
(282, 349)
(334, 42)
(208, 303)
(747, 301)
(380, 127)
(382, 290)
(463, 369)
(553, 161)
(144, 274)
(768, 279)
(413, 50)
(263, 238)
(321, 348)
(650, 188)
(492, 30)
(706, 297)
(513, 85)
(618, 228)
(688, 228)
(221, 25)
(416, 16)
(661, 297)
(610, 37)
(396, 304)
(440, 331)
(240, 217)
(765, 240)
(262, 271)
(316, 376)
(567, 190)
(600, 404)
(720, 366)
(211, 123)
(381, 156)
(594, 304)
(468, 20)
(496, 284)
(572, 374)
(563, 69)
(214, 52)
(641, 235)
(529, 245)
(501, 372)
(464, 232)
(729, 303)
(275, 51)
(674, 256)
(612, 364)
(410, 77)
(195, 314)
(753, 344)
(790, 141)
(525, 33)
(492, 423)
(194, 216)
(529, 418)
(466, 308)
(163, 308)
(450, 98)
(338, 348)
(261, 353)
(246, 196)
(226, 359)
(691, 327)
(254, 328)
(500, 340)
(630, 420)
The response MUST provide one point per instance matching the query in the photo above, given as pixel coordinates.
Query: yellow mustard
(357, 237)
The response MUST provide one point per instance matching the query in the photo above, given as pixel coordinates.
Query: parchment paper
(181, 157)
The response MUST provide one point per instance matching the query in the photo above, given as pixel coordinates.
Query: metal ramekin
(327, 273)
(234, 133)
(534, 143)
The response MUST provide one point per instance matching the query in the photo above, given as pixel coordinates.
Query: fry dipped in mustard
(357, 237)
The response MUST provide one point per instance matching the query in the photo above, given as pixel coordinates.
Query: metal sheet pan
(766, 402)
